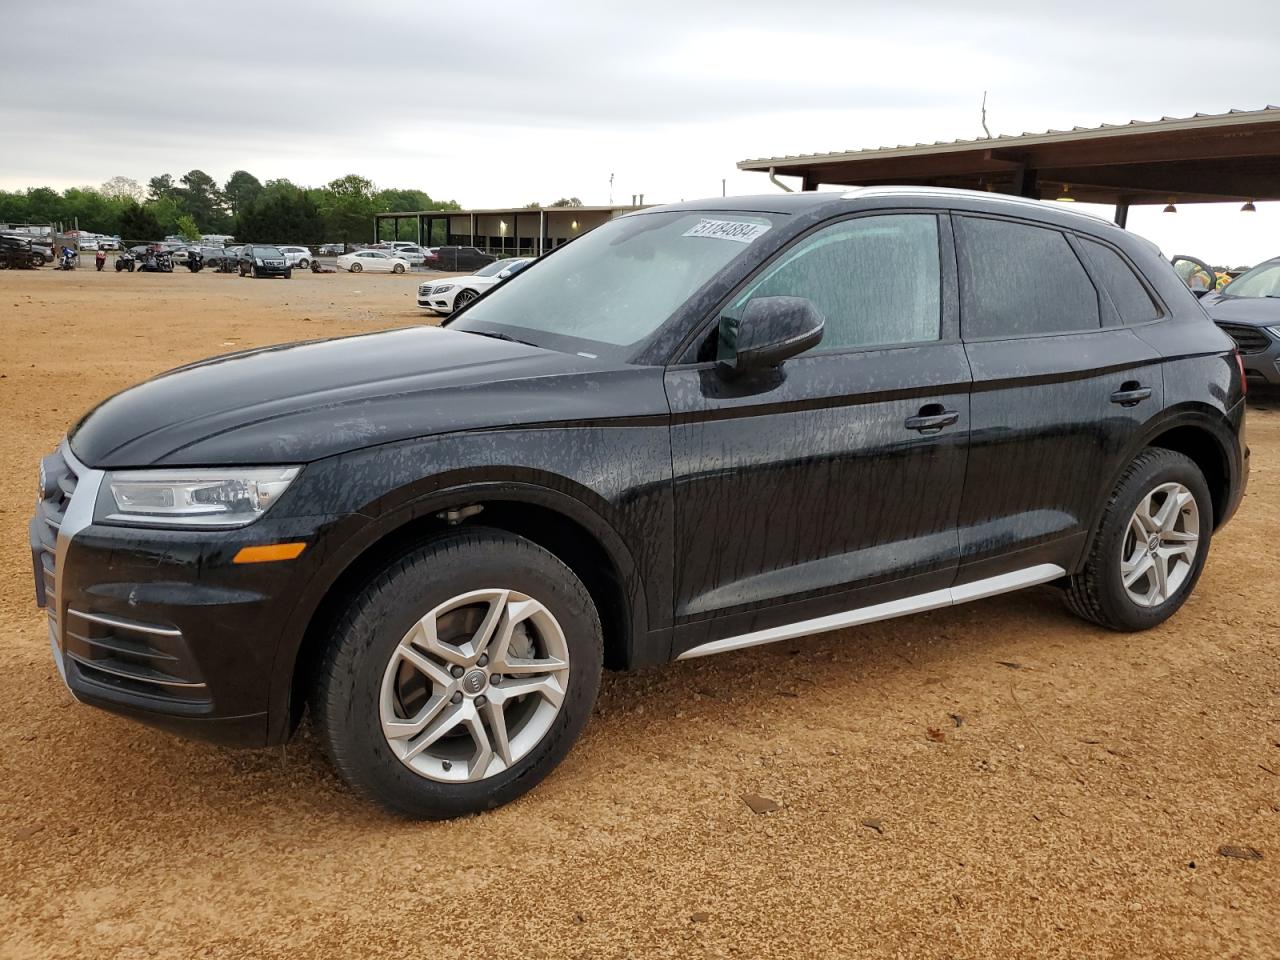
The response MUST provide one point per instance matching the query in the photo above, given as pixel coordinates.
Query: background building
(511, 231)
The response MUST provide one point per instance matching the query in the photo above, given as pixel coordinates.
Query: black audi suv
(696, 428)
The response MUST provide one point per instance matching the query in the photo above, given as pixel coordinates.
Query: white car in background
(454, 293)
(416, 255)
(374, 261)
(299, 257)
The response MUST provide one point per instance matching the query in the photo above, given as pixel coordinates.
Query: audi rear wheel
(1150, 546)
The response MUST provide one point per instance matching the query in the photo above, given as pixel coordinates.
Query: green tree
(44, 205)
(90, 210)
(241, 189)
(567, 202)
(200, 197)
(348, 206)
(166, 211)
(161, 188)
(138, 224)
(282, 213)
(187, 227)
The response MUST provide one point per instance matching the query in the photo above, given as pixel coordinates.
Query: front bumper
(272, 269)
(1263, 366)
(1259, 349)
(161, 625)
(440, 303)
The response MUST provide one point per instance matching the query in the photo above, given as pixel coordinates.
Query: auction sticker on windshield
(728, 230)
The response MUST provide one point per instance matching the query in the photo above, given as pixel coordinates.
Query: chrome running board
(990, 587)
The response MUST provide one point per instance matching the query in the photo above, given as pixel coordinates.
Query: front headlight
(1274, 331)
(258, 261)
(230, 497)
(445, 289)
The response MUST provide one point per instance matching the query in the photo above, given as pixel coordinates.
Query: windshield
(616, 285)
(495, 268)
(1262, 281)
(267, 252)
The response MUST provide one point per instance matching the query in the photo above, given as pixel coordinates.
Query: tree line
(276, 211)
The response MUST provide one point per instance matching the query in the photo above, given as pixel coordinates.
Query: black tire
(345, 698)
(355, 268)
(463, 298)
(256, 274)
(288, 274)
(398, 268)
(304, 264)
(1097, 592)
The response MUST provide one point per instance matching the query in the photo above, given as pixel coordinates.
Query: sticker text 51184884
(735, 230)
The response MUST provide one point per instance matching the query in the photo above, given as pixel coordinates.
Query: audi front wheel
(460, 676)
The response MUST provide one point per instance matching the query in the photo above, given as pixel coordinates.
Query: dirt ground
(993, 780)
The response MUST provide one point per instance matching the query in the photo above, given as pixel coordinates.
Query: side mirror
(770, 330)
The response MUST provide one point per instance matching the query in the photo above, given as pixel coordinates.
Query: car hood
(300, 402)
(1254, 311)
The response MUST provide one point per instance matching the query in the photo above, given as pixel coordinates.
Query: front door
(833, 481)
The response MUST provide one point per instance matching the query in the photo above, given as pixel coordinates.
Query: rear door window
(1019, 280)
(1131, 299)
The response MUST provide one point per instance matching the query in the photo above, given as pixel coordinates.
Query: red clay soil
(995, 780)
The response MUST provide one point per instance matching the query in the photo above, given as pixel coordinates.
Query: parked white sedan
(374, 261)
(454, 293)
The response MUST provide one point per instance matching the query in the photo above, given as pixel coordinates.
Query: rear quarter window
(1127, 292)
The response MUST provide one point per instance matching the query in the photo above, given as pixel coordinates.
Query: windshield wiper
(501, 336)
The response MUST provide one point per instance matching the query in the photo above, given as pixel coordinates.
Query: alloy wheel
(474, 685)
(1160, 544)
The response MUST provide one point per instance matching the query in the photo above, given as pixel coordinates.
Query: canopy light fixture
(1170, 208)
(1249, 208)
(1065, 196)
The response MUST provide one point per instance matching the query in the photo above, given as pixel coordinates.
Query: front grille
(1248, 339)
(59, 483)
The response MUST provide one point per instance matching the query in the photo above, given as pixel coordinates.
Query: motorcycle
(156, 262)
(195, 261)
(126, 261)
(100, 260)
(68, 260)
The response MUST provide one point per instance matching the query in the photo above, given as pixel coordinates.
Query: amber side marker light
(269, 552)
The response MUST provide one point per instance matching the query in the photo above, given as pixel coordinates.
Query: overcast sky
(495, 104)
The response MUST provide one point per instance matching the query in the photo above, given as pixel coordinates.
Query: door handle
(931, 418)
(1130, 394)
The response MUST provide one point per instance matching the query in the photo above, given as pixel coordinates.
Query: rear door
(832, 482)
(1061, 388)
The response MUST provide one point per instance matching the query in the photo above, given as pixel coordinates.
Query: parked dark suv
(696, 428)
(260, 260)
(459, 258)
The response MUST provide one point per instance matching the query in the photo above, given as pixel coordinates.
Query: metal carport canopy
(1207, 158)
